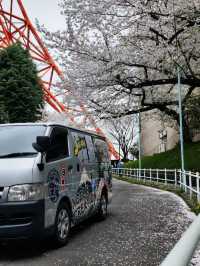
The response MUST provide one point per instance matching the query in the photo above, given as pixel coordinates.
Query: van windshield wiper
(17, 154)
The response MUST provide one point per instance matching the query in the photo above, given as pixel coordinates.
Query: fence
(183, 251)
(187, 180)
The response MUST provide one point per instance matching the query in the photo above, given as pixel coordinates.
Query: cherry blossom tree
(124, 133)
(122, 56)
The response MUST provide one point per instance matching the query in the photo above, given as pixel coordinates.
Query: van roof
(48, 124)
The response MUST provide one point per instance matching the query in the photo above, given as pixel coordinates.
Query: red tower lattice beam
(15, 26)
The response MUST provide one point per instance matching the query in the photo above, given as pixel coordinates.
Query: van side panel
(60, 180)
(84, 202)
(80, 177)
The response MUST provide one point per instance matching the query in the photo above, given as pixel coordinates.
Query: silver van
(51, 178)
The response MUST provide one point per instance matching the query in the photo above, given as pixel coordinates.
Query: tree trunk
(186, 132)
(125, 154)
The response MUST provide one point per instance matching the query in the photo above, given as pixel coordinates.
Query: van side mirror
(42, 144)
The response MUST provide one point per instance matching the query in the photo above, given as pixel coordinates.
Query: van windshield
(16, 141)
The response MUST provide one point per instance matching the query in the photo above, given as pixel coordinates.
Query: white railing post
(150, 174)
(197, 177)
(157, 175)
(165, 176)
(185, 180)
(144, 174)
(180, 178)
(190, 183)
(175, 176)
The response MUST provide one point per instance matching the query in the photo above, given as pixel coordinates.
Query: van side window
(101, 150)
(59, 144)
(91, 150)
(80, 147)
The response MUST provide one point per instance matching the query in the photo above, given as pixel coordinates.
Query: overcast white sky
(47, 12)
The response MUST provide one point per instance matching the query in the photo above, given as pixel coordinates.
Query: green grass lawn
(171, 159)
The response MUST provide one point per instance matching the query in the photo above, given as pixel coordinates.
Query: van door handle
(70, 167)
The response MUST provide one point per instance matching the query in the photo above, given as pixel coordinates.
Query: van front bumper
(21, 219)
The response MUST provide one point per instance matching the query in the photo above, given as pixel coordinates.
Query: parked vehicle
(51, 177)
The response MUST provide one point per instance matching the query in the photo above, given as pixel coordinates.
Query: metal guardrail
(184, 249)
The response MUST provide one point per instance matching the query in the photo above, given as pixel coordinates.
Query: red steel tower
(15, 26)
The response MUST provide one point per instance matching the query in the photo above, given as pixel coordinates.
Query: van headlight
(25, 192)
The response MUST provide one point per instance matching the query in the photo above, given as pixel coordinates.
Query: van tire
(102, 211)
(62, 224)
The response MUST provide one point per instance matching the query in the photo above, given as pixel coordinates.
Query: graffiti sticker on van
(53, 185)
(62, 177)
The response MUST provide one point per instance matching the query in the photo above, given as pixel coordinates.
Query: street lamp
(180, 107)
(181, 128)
(139, 132)
(139, 140)
(181, 121)
(119, 147)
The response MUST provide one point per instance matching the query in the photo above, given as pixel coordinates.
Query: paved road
(142, 226)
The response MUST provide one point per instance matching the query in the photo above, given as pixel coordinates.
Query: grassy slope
(171, 159)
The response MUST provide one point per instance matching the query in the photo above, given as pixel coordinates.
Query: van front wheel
(62, 224)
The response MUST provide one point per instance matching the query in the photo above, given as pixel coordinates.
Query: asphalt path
(142, 226)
